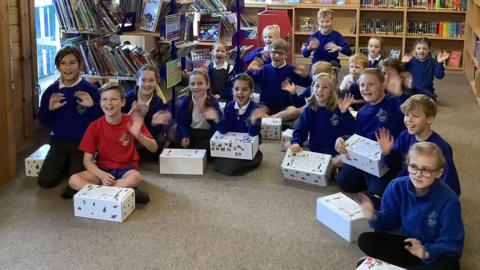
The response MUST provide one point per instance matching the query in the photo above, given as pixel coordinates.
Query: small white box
(343, 215)
(183, 161)
(286, 137)
(364, 154)
(309, 167)
(376, 264)
(233, 145)
(256, 97)
(103, 202)
(271, 128)
(34, 162)
(222, 105)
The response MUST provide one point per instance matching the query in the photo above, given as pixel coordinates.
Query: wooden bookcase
(348, 16)
(472, 47)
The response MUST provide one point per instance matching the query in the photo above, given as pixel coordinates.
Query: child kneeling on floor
(112, 139)
(426, 211)
(241, 115)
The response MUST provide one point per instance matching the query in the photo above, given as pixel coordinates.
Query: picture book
(208, 32)
(150, 15)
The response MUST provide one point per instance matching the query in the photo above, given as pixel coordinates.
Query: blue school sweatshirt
(375, 63)
(321, 54)
(299, 100)
(387, 114)
(434, 218)
(233, 122)
(184, 116)
(156, 104)
(248, 58)
(270, 79)
(423, 73)
(70, 121)
(400, 149)
(226, 90)
(324, 127)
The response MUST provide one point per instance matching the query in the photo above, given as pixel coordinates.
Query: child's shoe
(68, 192)
(141, 196)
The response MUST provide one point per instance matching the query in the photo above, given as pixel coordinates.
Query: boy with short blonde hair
(357, 63)
(261, 55)
(419, 111)
(326, 43)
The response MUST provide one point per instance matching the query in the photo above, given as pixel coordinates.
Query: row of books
(438, 4)
(381, 26)
(88, 15)
(381, 3)
(212, 6)
(393, 53)
(437, 28)
(154, 12)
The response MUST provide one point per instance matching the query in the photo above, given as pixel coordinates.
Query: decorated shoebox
(222, 105)
(286, 137)
(342, 215)
(256, 97)
(183, 161)
(34, 162)
(103, 202)
(374, 264)
(233, 145)
(309, 167)
(364, 154)
(271, 128)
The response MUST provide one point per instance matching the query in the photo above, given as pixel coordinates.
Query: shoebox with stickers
(364, 154)
(374, 264)
(233, 145)
(34, 162)
(342, 215)
(287, 137)
(183, 161)
(309, 167)
(104, 203)
(271, 128)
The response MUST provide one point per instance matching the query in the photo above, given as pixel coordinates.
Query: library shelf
(436, 10)
(437, 38)
(380, 35)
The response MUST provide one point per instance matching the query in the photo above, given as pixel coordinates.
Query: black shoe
(68, 192)
(141, 196)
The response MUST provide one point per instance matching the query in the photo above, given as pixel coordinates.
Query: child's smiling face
(241, 92)
(198, 85)
(371, 88)
(322, 91)
(69, 69)
(111, 102)
(374, 47)
(325, 24)
(147, 82)
(422, 51)
(220, 53)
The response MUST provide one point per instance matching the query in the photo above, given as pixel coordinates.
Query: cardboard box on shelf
(104, 203)
(364, 154)
(183, 161)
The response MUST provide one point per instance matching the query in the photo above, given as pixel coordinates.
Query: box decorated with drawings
(309, 167)
(271, 128)
(375, 264)
(233, 145)
(183, 161)
(34, 162)
(286, 137)
(104, 203)
(342, 215)
(364, 154)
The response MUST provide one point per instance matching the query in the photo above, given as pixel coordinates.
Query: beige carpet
(258, 221)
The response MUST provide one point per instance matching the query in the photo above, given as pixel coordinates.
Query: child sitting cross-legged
(111, 139)
(324, 119)
(425, 210)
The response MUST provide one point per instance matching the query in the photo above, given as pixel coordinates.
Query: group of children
(395, 103)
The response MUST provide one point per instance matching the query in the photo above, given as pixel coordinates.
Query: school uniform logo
(81, 109)
(382, 116)
(124, 139)
(334, 120)
(432, 218)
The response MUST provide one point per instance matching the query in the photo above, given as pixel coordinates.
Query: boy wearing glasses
(273, 100)
(419, 111)
(426, 211)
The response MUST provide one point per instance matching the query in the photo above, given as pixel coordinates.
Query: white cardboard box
(103, 202)
(309, 167)
(271, 128)
(233, 145)
(222, 105)
(256, 97)
(286, 137)
(364, 154)
(34, 162)
(375, 264)
(343, 215)
(183, 161)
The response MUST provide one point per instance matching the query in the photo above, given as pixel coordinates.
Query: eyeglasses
(426, 172)
(278, 52)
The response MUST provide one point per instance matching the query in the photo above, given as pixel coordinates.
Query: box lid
(367, 147)
(186, 153)
(307, 161)
(41, 152)
(231, 137)
(272, 121)
(106, 193)
(343, 205)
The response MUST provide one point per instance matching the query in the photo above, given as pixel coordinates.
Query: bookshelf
(393, 15)
(472, 47)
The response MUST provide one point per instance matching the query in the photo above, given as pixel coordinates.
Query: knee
(364, 242)
(45, 182)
